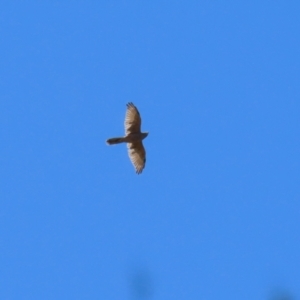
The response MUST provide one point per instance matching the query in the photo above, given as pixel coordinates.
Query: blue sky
(214, 215)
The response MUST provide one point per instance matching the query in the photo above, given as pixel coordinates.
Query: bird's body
(133, 137)
(130, 138)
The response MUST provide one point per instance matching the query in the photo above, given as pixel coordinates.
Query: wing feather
(132, 119)
(137, 155)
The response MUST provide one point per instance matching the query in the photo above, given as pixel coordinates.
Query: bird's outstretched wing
(137, 155)
(132, 119)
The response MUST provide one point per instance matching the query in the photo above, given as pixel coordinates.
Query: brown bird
(133, 137)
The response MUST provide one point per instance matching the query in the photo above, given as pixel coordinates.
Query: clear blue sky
(216, 212)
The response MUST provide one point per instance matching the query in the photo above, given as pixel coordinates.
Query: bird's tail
(117, 140)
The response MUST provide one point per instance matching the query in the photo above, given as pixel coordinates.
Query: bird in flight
(133, 137)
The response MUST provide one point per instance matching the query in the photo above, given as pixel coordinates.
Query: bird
(133, 137)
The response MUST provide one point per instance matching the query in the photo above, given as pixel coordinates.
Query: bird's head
(145, 134)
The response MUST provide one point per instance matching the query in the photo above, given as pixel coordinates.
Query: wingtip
(129, 104)
(139, 171)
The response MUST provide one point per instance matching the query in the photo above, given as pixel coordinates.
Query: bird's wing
(132, 119)
(137, 155)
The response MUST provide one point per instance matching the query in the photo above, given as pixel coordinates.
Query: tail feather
(117, 140)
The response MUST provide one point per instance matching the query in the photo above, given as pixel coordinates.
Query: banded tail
(117, 140)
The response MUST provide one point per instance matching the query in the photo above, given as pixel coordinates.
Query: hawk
(133, 137)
